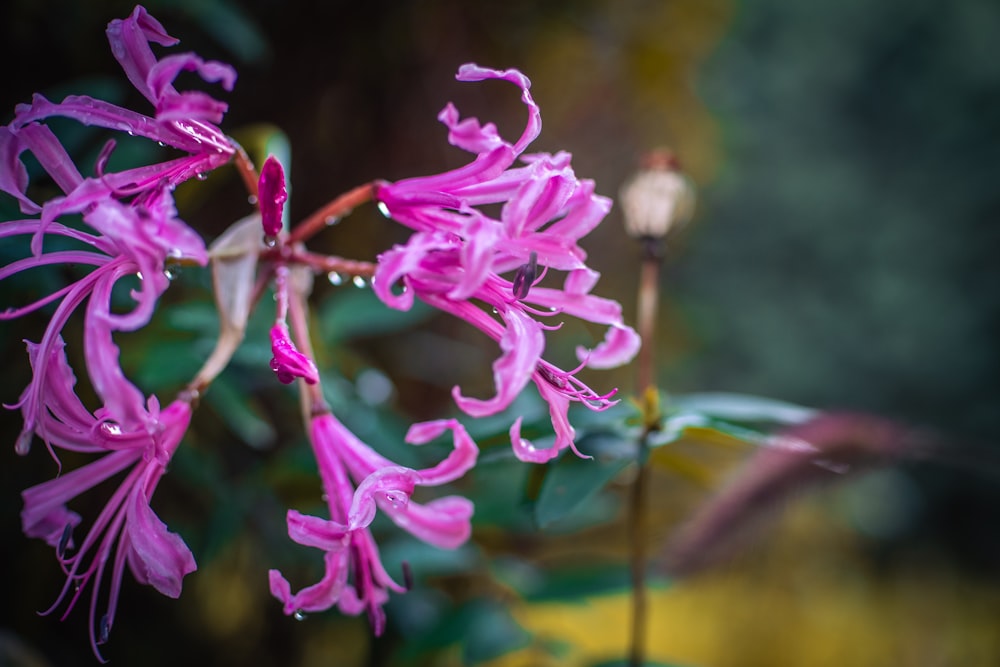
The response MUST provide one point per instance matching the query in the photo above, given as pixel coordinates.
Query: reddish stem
(244, 165)
(337, 208)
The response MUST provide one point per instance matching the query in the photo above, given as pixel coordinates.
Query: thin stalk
(337, 208)
(649, 281)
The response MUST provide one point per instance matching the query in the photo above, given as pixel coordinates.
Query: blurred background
(842, 256)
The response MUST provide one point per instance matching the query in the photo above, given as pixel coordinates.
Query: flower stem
(244, 165)
(649, 281)
(337, 208)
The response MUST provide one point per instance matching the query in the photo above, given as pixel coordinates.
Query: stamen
(525, 277)
(551, 378)
(103, 629)
(64, 540)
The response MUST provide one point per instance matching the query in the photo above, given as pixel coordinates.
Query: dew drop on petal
(332, 220)
(359, 281)
(335, 278)
(160, 144)
(201, 176)
(270, 241)
(252, 200)
(299, 615)
(383, 209)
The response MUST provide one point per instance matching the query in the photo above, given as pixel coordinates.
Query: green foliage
(572, 482)
(349, 314)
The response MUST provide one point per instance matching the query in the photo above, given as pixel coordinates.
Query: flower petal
(156, 556)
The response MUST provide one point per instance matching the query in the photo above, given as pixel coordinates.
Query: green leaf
(352, 313)
(485, 629)
(241, 412)
(567, 583)
(573, 480)
(742, 408)
(491, 632)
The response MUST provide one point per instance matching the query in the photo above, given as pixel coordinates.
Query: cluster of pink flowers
(455, 260)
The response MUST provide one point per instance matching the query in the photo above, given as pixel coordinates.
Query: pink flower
(130, 233)
(127, 531)
(133, 226)
(458, 255)
(183, 120)
(357, 482)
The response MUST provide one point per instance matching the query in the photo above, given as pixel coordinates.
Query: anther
(525, 276)
(64, 540)
(103, 629)
(407, 576)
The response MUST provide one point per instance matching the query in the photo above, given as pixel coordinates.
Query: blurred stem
(649, 282)
(337, 208)
(246, 169)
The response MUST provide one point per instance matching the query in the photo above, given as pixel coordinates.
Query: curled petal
(321, 595)
(161, 75)
(527, 452)
(620, 345)
(393, 484)
(460, 460)
(157, 557)
(129, 39)
(522, 345)
(473, 72)
(311, 531)
(288, 363)
(443, 522)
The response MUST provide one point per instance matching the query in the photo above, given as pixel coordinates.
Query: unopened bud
(658, 198)
(271, 196)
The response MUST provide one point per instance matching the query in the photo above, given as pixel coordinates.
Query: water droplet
(335, 278)
(138, 274)
(160, 144)
(171, 271)
(270, 241)
(299, 615)
(495, 311)
(383, 209)
(252, 200)
(201, 176)
(130, 133)
(359, 281)
(332, 220)
(111, 429)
